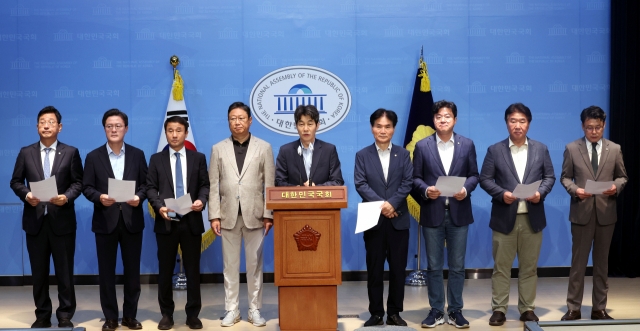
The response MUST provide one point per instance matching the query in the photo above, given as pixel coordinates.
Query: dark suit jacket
(97, 171)
(160, 187)
(325, 165)
(576, 169)
(371, 185)
(67, 167)
(427, 167)
(499, 175)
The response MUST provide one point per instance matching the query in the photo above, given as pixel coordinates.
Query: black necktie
(594, 158)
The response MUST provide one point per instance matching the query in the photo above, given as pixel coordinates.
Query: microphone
(298, 164)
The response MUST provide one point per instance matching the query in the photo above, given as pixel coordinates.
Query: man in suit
(50, 224)
(174, 172)
(117, 222)
(308, 161)
(592, 216)
(383, 172)
(517, 224)
(241, 168)
(445, 219)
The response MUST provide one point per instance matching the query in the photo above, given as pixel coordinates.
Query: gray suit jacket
(576, 169)
(232, 189)
(499, 175)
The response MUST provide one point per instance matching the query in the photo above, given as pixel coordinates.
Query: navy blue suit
(54, 234)
(389, 239)
(499, 175)
(427, 167)
(325, 165)
(119, 223)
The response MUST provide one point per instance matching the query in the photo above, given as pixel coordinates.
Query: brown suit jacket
(576, 169)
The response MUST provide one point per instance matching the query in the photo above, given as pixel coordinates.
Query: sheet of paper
(121, 190)
(523, 191)
(450, 185)
(597, 187)
(181, 205)
(368, 215)
(44, 189)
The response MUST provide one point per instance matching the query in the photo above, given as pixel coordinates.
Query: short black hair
(593, 112)
(50, 110)
(445, 104)
(307, 110)
(177, 119)
(518, 107)
(241, 105)
(381, 112)
(115, 112)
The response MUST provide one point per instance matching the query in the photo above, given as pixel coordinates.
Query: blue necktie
(47, 169)
(179, 184)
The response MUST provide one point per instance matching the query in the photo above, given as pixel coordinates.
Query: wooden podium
(307, 257)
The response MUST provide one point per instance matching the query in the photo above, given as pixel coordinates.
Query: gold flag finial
(425, 82)
(178, 85)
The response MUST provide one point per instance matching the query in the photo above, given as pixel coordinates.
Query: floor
(17, 310)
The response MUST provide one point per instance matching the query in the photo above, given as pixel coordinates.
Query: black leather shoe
(374, 320)
(497, 318)
(65, 323)
(395, 319)
(41, 323)
(110, 325)
(166, 322)
(600, 315)
(571, 315)
(131, 323)
(194, 322)
(529, 316)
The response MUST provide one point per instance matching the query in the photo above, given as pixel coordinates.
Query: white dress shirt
(445, 150)
(385, 157)
(117, 162)
(519, 156)
(52, 154)
(183, 163)
(598, 149)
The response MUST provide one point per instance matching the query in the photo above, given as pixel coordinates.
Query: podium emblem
(307, 239)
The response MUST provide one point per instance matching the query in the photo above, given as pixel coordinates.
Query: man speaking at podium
(308, 161)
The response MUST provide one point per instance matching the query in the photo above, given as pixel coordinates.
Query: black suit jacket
(160, 187)
(97, 171)
(325, 165)
(371, 185)
(67, 167)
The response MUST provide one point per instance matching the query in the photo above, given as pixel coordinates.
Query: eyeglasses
(51, 122)
(238, 119)
(111, 127)
(446, 118)
(592, 128)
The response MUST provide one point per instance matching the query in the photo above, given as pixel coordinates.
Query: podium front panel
(307, 248)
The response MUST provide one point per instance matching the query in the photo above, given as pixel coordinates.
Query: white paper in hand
(523, 191)
(121, 190)
(368, 215)
(450, 185)
(181, 205)
(597, 187)
(44, 189)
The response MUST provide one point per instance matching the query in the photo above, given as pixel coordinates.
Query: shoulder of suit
(426, 140)
(610, 144)
(536, 144)
(194, 153)
(255, 139)
(131, 148)
(462, 138)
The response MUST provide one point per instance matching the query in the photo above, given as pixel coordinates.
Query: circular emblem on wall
(275, 97)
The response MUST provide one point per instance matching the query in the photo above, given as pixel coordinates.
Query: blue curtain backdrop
(85, 57)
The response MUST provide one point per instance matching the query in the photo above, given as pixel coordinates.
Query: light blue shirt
(117, 162)
(307, 156)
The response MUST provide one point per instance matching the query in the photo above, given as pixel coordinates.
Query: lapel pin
(394, 155)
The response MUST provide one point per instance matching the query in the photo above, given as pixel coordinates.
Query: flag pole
(180, 279)
(418, 277)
